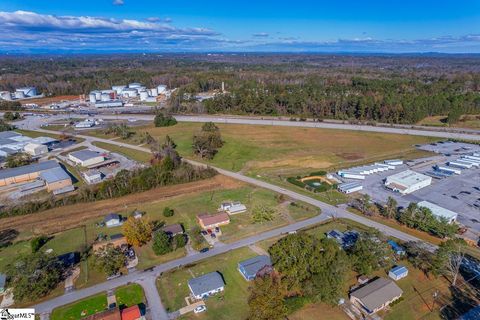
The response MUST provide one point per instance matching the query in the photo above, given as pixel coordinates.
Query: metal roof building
(250, 267)
(206, 285)
(407, 181)
(349, 187)
(28, 169)
(439, 212)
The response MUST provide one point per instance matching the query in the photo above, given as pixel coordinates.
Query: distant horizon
(376, 26)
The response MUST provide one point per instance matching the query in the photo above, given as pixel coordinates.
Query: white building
(92, 176)
(393, 162)
(349, 187)
(407, 181)
(207, 285)
(233, 207)
(35, 149)
(439, 212)
(85, 124)
(86, 157)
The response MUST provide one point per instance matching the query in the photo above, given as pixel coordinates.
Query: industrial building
(93, 176)
(20, 93)
(55, 178)
(35, 149)
(349, 187)
(86, 158)
(439, 212)
(12, 142)
(407, 181)
(359, 173)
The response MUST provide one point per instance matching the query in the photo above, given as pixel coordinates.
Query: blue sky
(301, 25)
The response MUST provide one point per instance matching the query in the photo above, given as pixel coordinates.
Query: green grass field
(126, 296)
(231, 304)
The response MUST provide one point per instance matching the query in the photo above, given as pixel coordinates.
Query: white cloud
(261, 35)
(118, 2)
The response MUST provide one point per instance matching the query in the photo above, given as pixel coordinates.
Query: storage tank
(105, 97)
(118, 89)
(161, 89)
(98, 95)
(154, 92)
(19, 95)
(134, 85)
(27, 91)
(5, 95)
(92, 97)
(143, 95)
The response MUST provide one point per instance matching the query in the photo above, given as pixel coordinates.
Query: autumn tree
(266, 300)
(449, 258)
(137, 231)
(390, 209)
(207, 142)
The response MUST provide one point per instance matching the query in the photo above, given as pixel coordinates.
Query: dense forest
(384, 88)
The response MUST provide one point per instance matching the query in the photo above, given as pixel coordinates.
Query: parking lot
(459, 193)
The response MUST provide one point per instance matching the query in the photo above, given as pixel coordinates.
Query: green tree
(5, 126)
(266, 300)
(18, 160)
(168, 212)
(262, 213)
(390, 210)
(34, 276)
(164, 120)
(10, 116)
(38, 242)
(371, 253)
(109, 260)
(162, 243)
(179, 241)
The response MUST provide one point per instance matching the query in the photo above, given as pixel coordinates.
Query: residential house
(375, 295)
(204, 286)
(208, 221)
(113, 220)
(398, 272)
(249, 268)
(132, 313)
(173, 229)
(345, 239)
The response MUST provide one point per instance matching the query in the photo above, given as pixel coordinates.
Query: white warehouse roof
(408, 178)
(439, 211)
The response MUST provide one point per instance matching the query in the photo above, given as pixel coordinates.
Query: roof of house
(84, 155)
(31, 168)
(237, 207)
(398, 270)
(111, 216)
(253, 265)
(111, 314)
(3, 280)
(131, 313)
(8, 134)
(376, 293)
(211, 219)
(207, 282)
(173, 228)
(437, 210)
(54, 175)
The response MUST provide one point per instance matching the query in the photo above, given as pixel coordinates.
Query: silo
(143, 95)
(154, 92)
(161, 88)
(98, 95)
(118, 89)
(105, 97)
(92, 97)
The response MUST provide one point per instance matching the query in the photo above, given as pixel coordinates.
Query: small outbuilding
(398, 272)
(113, 220)
(207, 285)
(249, 268)
(93, 176)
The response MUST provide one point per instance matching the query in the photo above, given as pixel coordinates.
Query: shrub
(163, 120)
(37, 243)
(168, 212)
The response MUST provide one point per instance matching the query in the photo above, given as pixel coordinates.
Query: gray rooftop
(112, 216)
(8, 134)
(255, 264)
(4, 141)
(376, 293)
(31, 168)
(84, 155)
(207, 282)
(54, 175)
(3, 280)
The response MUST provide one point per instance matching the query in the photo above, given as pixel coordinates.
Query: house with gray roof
(249, 268)
(375, 295)
(204, 286)
(113, 220)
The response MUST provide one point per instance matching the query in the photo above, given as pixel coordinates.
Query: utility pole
(435, 296)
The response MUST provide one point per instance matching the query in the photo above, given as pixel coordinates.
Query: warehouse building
(86, 158)
(349, 187)
(407, 181)
(359, 173)
(57, 180)
(35, 149)
(439, 212)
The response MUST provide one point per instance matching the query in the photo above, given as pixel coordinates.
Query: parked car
(209, 230)
(204, 250)
(204, 232)
(217, 229)
(213, 235)
(199, 309)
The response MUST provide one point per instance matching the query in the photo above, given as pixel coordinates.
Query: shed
(236, 207)
(249, 268)
(113, 220)
(204, 286)
(399, 250)
(398, 272)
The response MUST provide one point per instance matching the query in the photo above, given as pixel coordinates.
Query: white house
(233, 207)
(206, 285)
(35, 149)
(86, 157)
(113, 220)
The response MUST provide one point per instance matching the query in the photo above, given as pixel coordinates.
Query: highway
(147, 278)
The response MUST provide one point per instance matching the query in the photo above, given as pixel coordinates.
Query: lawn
(466, 121)
(127, 296)
(231, 304)
(127, 152)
